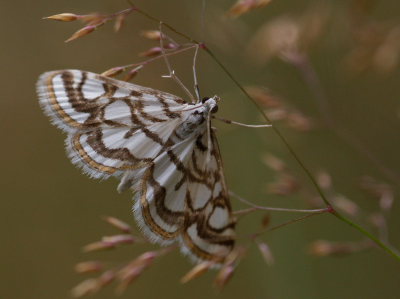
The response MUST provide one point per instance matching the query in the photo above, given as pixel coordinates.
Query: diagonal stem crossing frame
(383, 245)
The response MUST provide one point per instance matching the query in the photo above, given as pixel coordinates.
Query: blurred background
(327, 73)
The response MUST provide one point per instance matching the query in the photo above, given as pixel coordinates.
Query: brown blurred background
(50, 210)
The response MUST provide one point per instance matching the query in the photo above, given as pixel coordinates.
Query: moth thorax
(192, 123)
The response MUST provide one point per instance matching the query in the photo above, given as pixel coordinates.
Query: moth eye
(205, 99)
(214, 109)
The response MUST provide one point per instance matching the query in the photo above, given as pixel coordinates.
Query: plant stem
(257, 207)
(387, 247)
(169, 53)
(295, 220)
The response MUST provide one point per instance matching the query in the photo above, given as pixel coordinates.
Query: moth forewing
(109, 126)
(158, 145)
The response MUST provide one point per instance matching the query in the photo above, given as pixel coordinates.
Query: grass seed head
(64, 17)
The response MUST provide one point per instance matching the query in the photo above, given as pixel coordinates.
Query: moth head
(211, 103)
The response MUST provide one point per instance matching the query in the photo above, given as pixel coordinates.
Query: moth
(158, 145)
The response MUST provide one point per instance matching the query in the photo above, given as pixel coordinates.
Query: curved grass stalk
(386, 247)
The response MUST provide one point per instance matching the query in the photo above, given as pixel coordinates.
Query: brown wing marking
(208, 232)
(94, 138)
(167, 216)
(160, 202)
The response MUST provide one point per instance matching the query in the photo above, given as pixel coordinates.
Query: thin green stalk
(388, 248)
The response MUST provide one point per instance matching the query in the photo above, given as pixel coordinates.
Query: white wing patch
(156, 143)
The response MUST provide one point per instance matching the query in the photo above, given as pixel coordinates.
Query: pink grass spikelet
(118, 239)
(96, 246)
(224, 276)
(119, 224)
(106, 278)
(113, 71)
(81, 33)
(196, 271)
(152, 34)
(87, 267)
(132, 73)
(86, 287)
(119, 22)
(151, 52)
(265, 252)
(244, 6)
(64, 17)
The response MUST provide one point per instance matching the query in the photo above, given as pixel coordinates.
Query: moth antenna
(232, 122)
(170, 70)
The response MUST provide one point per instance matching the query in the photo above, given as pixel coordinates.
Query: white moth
(158, 145)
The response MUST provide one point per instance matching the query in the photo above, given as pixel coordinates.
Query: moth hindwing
(157, 145)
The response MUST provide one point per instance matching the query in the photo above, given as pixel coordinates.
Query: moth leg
(228, 121)
(126, 182)
(129, 178)
(172, 74)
